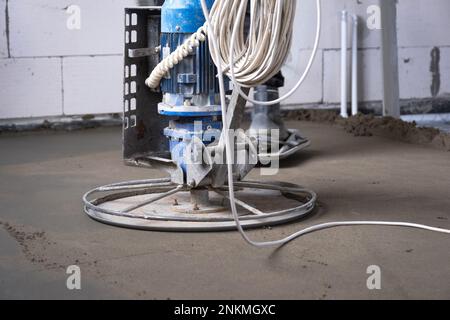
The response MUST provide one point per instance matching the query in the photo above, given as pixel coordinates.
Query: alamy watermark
(73, 281)
(374, 280)
(248, 148)
(374, 17)
(74, 19)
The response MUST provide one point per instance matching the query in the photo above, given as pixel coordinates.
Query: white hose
(215, 55)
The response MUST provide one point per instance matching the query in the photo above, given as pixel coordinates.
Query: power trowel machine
(177, 126)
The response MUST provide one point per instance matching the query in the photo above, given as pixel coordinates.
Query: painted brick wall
(48, 70)
(83, 76)
(38, 28)
(54, 71)
(3, 37)
(311, 91)
(305, 23)
(422, 25)
(30, 87)
(445, 68)
(370, 75)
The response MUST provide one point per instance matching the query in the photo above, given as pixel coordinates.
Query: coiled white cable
(259, 54)
(311, 59)
(261, 51)
(215, 54)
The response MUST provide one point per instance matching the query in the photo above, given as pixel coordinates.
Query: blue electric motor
(191, 88)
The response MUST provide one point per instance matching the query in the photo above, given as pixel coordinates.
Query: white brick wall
(93, 84)
(423, 23)
(89, 60)
(445, 70)
(38, 28)
(421, 26)
(331, 16)
(30, 87)
(369, 75)
(3, 39)
(414, 70)
(311, 91)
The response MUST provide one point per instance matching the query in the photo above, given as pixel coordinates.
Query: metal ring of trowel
(290, 146)
(163, 188)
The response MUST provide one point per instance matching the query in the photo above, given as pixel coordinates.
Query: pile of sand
(369, 125)
(311, 115)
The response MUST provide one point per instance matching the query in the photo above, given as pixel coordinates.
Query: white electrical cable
(302, 78)
(263, 50)
(260, 55)
(214, 53)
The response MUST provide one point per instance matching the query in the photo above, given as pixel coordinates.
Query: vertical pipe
(344, 96)
(389, 48)
(355, 66)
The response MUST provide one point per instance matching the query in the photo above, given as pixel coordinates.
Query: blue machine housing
(182, 16)
(195, 76)
(191, 89)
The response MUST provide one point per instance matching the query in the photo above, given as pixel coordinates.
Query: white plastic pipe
(344, 102)
(355, 66)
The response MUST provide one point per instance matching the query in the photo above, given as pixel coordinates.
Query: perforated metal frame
(143, 127)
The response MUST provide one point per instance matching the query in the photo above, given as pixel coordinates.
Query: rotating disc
(159, 205)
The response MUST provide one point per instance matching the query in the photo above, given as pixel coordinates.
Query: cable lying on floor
(216, 42)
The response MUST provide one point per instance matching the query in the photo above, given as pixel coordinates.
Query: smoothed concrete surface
(43, 176)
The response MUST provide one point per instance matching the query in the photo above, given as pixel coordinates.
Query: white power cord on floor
(215, 53)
